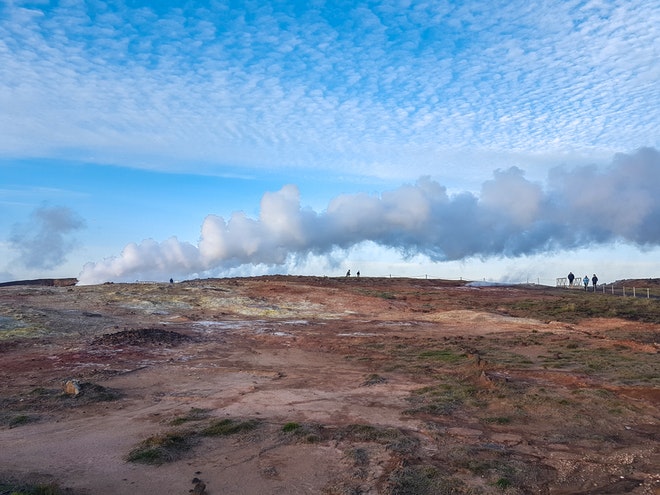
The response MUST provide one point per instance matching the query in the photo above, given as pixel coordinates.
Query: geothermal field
(335, 386)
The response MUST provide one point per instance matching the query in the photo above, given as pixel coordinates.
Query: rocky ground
(303, 385)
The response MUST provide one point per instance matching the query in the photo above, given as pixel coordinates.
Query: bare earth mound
(304, 385)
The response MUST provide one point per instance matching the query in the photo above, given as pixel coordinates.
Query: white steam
(512, 216)
(45, 240)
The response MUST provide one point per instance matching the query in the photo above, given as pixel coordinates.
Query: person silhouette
(571, 278)
(348, 273)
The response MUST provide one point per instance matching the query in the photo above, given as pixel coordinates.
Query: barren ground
(303, 385)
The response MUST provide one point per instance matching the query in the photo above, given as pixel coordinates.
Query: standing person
(571, 277)
(594, 280)
(585, 281)
(348, 273)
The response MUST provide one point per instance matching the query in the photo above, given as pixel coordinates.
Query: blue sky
(509, 141)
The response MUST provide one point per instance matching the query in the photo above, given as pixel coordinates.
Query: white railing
(563, 282)
(628, 291)
(622, 291)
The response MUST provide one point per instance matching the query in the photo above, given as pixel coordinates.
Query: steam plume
(45, 240)
(512, 216)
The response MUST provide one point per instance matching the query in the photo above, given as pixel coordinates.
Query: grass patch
(10, 488)
(171, 446)
(502, 468)
(291, 426)
(19, 420)
(46, 399)
(503, 483)
(367, 433)
(359, 456)
(442, 399)
(373, 379)
(498, 420)
(394, 439)
(195, 414)
(305, 433)
(422, 480)
(160, 449)
(228, 426)
(443, 355)
(577, 306)
(92, 392)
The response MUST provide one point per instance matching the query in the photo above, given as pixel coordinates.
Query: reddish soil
(349, 386)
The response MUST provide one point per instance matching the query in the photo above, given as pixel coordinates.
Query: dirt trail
(369, 386)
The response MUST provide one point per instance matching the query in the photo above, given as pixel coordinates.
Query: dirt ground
(305, 385)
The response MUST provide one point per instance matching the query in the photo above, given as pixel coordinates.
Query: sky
(507, 141)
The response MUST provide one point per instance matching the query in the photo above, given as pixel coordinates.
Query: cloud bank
(45, 240)
(356, 90)
(511, 216)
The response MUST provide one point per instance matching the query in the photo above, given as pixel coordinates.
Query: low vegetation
(575, 307)
(195, 414)
(14, 488)
(423, 480)
(492, 411)
(228, 427)
(173, 445)
(163, 448)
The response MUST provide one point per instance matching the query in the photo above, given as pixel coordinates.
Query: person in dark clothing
(571, 278)
(348, 273)
(594, 280)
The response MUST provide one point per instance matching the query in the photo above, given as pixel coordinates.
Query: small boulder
(199, 488)
(72, 387)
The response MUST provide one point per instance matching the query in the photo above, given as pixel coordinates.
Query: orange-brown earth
(334, 386)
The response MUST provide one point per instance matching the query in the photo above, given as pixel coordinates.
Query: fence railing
(628, 291)
(577, 283)
(612, 289)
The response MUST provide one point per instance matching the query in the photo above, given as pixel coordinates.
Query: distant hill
(44, 282)
(637, 282)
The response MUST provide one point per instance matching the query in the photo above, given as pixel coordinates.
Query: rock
(72, 387)
(199, 488)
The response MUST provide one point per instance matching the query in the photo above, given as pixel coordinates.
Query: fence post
(647, 293)
(634, 292)
(624, 292)
(612, 289)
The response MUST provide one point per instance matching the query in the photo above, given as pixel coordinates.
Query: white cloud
(359, 91)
